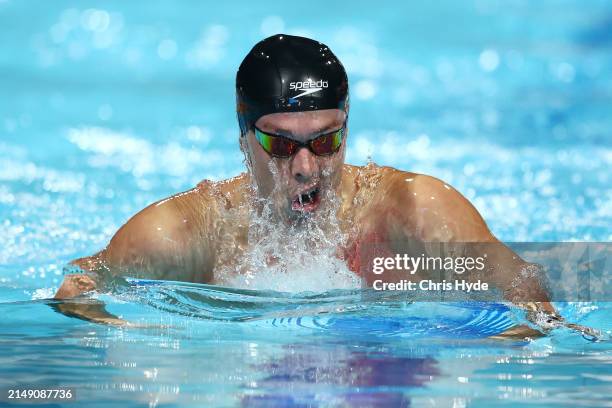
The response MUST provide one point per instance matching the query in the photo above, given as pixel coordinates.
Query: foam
(291, 257)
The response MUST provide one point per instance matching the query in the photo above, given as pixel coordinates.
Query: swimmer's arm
(433, 211)
(166, 240)
(522, 281)
(449, 217)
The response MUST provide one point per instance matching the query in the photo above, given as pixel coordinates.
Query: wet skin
(190, 235)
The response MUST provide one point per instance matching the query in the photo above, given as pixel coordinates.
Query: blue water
(109, 106)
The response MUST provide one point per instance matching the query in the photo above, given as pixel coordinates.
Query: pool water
(108, 107)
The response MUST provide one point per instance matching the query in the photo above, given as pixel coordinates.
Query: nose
(304, 165)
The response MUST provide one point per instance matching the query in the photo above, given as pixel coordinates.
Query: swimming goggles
(283, 147)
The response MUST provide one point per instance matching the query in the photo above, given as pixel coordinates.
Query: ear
(244, 148)
(243, 142)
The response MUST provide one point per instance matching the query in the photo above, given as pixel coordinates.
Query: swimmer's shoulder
(372, 178)
(365, 190)
(155, 241)
(229, 193)
(424, 202)
(170, 222)
(445, 213)
(180, 219)
(174, 237)
(400, 184)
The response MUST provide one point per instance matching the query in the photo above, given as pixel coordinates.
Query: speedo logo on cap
(308, 87)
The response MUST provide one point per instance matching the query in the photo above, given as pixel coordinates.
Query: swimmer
(293, 110)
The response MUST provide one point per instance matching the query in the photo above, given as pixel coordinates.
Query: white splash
(300, 257)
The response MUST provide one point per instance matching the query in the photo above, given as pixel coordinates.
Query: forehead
(298, 123)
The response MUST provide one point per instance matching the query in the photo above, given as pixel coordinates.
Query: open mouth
(306, 201)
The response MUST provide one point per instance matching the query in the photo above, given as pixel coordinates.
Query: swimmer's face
(304, 183)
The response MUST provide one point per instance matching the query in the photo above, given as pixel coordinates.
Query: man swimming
(293, 109)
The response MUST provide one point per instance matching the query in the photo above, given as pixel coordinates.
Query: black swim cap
(285, 73)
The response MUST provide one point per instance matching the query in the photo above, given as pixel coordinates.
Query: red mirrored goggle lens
(281, 146)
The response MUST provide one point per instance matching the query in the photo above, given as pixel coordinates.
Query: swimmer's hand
(522, 332)
(72, 304)
(89, 310)
(547, 321)
(94, 311)
(75, 285)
